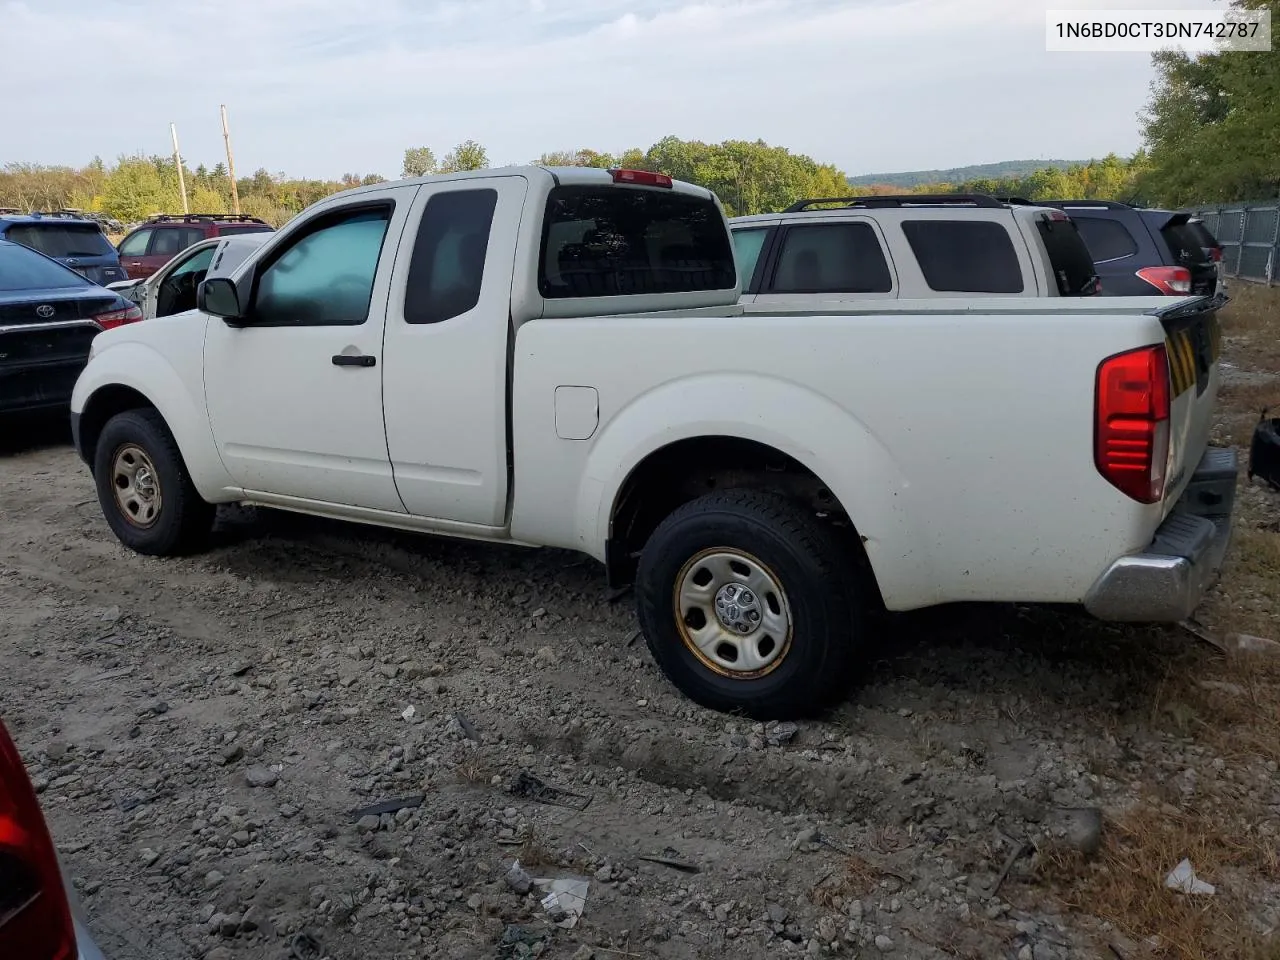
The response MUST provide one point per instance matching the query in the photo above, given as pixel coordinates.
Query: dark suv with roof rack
(1145, 252)
(151, 245)
(74, 240)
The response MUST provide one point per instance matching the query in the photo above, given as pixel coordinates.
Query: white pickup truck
(555, 357)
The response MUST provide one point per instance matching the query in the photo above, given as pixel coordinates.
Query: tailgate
(1193, 344)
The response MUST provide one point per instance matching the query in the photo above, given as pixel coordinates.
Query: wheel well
(687, 469)
(104, 404)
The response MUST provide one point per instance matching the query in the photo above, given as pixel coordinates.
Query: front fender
(839, 449)
(180, 400)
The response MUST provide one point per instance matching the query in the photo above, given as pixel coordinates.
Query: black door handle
(349, 360)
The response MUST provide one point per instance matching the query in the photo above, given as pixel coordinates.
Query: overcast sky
(322, 87)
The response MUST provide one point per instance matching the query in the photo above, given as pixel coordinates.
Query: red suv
(153, 244)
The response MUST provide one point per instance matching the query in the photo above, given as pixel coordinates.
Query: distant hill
(994, 171)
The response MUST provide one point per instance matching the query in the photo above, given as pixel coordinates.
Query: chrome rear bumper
(1166, 582)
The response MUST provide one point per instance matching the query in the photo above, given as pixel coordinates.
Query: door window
(171, 241)
(325, 277)
(832, 258)
(965, 256)
(1106, 239)
(447, 268)
(178, 290)
(135, 245)
(747, 245)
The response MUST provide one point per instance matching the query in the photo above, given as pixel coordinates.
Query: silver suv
(911, 247)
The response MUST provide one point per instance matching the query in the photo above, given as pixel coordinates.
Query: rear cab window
(62, 239)
(965, 256)
(611, 241)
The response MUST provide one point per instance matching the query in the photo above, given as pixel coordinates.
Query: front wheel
(749, 604)
(146, 494)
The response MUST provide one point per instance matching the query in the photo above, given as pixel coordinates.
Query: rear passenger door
(828, 258)
(445, 351)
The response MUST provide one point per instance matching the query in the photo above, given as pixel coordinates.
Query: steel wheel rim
(136, 486)
(732, 613)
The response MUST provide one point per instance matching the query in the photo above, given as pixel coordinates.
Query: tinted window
(20, 269)
(171, 241)
(1072, 265)
(448, 257)
(615, 241)
(1187, 244)
(135, 245)
(965, 256)
(747, 245)
(61, 239)
(831, 258)
(326, 277)
(245, 228)
(1106, 239)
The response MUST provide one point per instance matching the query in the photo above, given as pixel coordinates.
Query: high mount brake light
(35, 920)
(1131, 422)
(641, 178)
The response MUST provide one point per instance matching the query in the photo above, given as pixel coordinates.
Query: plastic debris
(529, 787)
(565, 900)
(388, 806)
(1183, 879)
(408, 712)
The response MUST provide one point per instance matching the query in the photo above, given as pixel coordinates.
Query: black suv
(1143, 252)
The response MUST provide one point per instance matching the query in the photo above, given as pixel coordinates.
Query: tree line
(1211, 132)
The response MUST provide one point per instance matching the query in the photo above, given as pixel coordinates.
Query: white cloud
(319, 87)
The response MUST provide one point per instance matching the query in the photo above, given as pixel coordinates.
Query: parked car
(49, 314)
(172, 289)
(151, 245)
(40, 915)
(72, 240)
(1140, 251)
(912, 247)
(556, 357)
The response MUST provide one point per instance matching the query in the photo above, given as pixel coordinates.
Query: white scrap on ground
(1183, 879)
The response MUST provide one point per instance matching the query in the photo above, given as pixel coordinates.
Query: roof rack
(199, 217)
(906, 200)
(1018, 201)
(64, 214)
(1102, 204)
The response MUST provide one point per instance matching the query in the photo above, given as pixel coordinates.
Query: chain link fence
(1250, 238)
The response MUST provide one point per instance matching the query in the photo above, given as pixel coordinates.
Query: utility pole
(231, 164)
(177, 160)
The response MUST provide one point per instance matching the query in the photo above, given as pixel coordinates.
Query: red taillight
(118, 318)
(1173, 281)
(35, 921)
(1131, 422)
(1216, 254)
(641, 178)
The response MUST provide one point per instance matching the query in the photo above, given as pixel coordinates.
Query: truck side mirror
(218, 296)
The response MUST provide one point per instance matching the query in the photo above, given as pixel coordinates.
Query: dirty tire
(184, 520)
(824, 593)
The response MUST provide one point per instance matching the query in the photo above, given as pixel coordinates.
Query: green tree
(205, 199)
(137, 188)
(418, 162)
(467, 155)
(1212, 126)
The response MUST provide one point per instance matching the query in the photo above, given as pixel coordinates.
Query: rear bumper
(1166, 582)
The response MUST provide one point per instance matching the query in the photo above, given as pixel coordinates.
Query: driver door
(173, 290)
(294, 388)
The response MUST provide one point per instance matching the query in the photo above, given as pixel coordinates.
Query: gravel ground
(201, 731)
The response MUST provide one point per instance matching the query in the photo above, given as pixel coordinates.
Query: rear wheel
(146, 494)
(750, 604)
